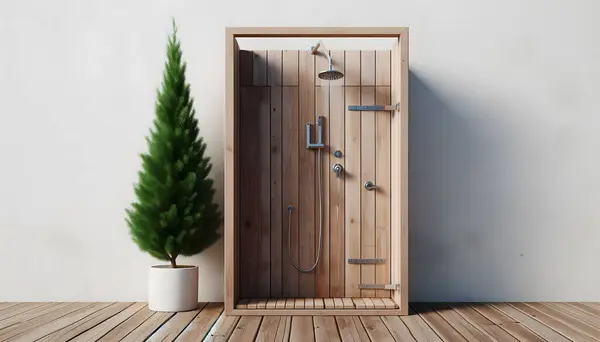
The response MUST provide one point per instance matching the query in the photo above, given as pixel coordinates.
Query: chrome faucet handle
(369, 185)
(338, 168)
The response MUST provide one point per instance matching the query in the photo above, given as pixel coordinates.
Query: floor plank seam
(539, 321)
(104, 320)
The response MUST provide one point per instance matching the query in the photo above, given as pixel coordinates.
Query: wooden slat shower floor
(317, 303)
(427, 322)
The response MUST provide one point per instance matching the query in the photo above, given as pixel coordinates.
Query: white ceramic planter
(173, 289)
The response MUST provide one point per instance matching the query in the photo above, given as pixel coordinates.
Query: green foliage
(174, 213)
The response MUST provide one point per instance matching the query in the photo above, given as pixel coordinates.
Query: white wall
(505, 150)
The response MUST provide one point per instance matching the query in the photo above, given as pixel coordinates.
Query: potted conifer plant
(174, 213)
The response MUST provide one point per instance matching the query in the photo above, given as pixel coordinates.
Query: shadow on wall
(456, 204)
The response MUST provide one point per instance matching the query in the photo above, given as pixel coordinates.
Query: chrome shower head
(331, 75)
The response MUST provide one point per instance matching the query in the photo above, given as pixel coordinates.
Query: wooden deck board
(426, 322)
(202, 323)
(175, 326)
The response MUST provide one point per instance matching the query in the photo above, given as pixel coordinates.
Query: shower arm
(315, 50)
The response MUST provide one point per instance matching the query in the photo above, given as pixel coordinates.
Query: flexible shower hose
(291, 208)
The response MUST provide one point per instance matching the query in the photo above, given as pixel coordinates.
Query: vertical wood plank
(306, 165)
(259, 73)
(249, 188)
(329, 303)
(290, 303)
(352, 178)
(376, 329)
(280, 303)
(402, 297)
(231, 173)
(246, 329)
(246, 68)
(399, 183)
(274, 79)
(322, 109)
(302, 329)
(223, 329)
(299, 303)
(383, 64)
(268, 329)
(264, 172)
(337, 263)
(367, 198)
(352, 68)
(382, 176)
(367, 70)
(326, 329)
(290, 183)
(290, 68)
(367, 146)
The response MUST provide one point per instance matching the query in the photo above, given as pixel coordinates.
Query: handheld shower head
(330, 74)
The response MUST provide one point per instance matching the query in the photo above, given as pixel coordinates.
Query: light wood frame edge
(316, 312)
(399, 227)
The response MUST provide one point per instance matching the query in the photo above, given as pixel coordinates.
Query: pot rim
(169, 268)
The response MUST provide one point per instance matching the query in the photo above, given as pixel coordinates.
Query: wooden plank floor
(427, 322)
(317, 303)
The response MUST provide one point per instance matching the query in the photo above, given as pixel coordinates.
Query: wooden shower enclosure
(271, 96)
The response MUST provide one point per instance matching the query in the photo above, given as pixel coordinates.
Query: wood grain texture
(556, 324)
(466, 329)
(124, 328)
(367, 168)
(397, 328)
(376, 329)
(352, 188)
(306, 178)
(337, 113)
(95, 333)
(37, 328)
(534, 325)
(231, 173)
(223, 329)
(326, 329)
(70, 331)
(334, 32)
(302, 329)
(399, 165)
(202, 323)
(507, 323)
(419, 329)
(267, 332)
(351, 328)
(275, 72)
(480, 322)
(246, 329)
(290, 67)
(382, 172)
(322, 101)
(290, 186)
(34, 321)
(145, 329)
(175, 326)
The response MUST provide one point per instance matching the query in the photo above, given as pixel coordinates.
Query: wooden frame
(399, 122)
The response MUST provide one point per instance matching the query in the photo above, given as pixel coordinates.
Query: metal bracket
(366, 261)
(374, 108)
(395, 287)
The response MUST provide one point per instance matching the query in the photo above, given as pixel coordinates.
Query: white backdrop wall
(504, 143)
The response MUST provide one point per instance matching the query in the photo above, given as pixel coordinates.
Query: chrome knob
(338, 168)
(369, 185)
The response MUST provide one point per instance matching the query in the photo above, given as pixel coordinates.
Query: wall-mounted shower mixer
(338, 168)
(369, 185)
